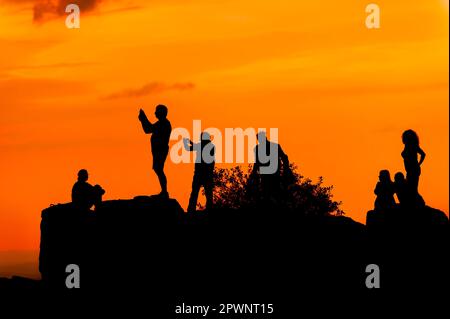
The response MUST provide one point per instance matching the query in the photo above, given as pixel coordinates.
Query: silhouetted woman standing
(409, 154)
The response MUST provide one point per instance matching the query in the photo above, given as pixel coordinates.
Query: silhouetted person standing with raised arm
(410, 154)
(84, 195)
(159, 141)
(204, 170)
(269, 158)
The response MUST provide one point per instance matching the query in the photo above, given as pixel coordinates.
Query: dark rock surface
(249, 255)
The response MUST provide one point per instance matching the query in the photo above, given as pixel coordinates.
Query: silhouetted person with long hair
(204, 170)
(385, 192)
(159, 141)
(410, 154)
(269, 159)
(84, 195)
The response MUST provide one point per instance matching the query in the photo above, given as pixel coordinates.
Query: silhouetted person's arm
(99, 190)
(146, 125)
(377, 189)
(191, 145)
(422, 155)
(391, 189)
(75, 193)
(188, 144)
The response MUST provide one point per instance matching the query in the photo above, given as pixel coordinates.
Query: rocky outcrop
(166, 248)
(152, 243)
(411, 244)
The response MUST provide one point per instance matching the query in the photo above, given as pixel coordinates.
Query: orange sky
(339, 93)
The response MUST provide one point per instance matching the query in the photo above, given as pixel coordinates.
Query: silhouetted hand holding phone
(146, 125)
(142, 115)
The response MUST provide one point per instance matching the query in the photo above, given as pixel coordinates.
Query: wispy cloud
(48, 66)
(48, 8)
(150, 88)
(44, 10)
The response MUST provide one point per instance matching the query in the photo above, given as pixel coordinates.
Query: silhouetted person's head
(161, 112)
(261, 137)
(205, 136)
(399, 177)
(385, 176)
(410, 138)
(83, 175)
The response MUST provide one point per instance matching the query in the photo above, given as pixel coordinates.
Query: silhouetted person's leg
(209, 194)
(412, 178)
(196, 184)
(162, 180)
(158, 166)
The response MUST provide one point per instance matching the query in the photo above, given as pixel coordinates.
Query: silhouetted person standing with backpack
(412, 164)
(269, 158)
(159, 141)
(84, 195)
(204, 170)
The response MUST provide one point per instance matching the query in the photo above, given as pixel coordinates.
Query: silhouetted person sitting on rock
(269, 159)
(204, 170)
(385, 192)
(401, 189)
(412, 164)
(159, 141)
(405, 195)
(84, 195)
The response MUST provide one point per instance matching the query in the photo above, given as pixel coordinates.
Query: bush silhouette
(237, 188)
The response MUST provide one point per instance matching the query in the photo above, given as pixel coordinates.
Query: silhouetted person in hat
(204, 170)
(410, 154)
(269, 159)
(385, 192)
(84, 195)
(159, 141)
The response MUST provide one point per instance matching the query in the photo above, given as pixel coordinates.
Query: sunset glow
(340, 94)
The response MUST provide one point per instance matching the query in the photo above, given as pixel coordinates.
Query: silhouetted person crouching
(204, 170)
(385, 192)
(84, 195)
(269, 159)
(159, 142)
